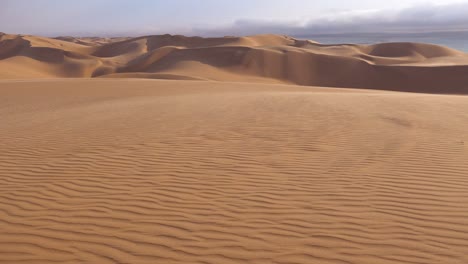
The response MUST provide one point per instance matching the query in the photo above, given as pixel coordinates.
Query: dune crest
(262, 58)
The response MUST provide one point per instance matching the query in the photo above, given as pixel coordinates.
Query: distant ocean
(455, 40)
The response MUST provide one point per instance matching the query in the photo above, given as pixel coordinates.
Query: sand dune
(150, 171)
(230, 160)
(263, 58)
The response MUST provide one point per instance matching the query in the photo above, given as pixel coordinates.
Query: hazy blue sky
(227, 17)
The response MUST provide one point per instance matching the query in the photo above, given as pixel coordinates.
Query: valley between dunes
(231, 161)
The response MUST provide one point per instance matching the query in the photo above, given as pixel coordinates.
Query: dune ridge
(411, 67)
(151, 171)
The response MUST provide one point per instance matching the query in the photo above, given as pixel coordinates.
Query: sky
(228, 17)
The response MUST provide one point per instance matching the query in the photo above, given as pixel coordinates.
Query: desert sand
(231, 161)
(412, 67)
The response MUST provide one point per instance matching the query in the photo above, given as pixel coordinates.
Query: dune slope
(150, 171)
(264, 58)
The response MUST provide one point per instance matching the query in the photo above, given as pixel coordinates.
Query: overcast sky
(229, 17)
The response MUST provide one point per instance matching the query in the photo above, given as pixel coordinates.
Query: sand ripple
(201, 172)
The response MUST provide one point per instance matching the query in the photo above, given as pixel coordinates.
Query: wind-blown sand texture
(231, 161)
(148, 171)
(262, 58)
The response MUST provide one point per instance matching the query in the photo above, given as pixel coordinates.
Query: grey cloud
(421, 18)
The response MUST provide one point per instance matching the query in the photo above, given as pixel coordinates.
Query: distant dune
(263, 58)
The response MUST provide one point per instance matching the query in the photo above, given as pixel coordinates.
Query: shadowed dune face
(419, 51)
(264, 58)
(11, 46)
(145, 171)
